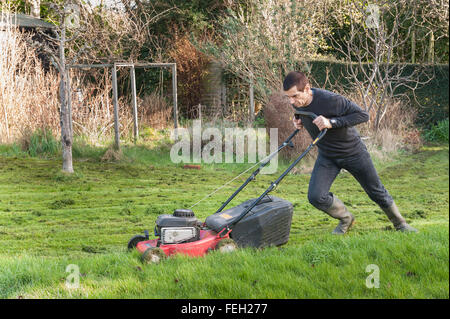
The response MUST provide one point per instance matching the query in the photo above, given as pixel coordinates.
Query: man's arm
(350, 114)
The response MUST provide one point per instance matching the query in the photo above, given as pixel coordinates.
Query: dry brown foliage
(278, 114)
(28, 95)
(191, 69)
(155, 111)
(396, 131)
(112, 155)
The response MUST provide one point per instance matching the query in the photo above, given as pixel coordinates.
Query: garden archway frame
(132, 66)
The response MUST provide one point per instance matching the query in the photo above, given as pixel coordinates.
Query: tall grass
(29, 98)
(40, 143)
(28, 94)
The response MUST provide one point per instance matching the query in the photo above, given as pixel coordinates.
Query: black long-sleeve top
(342, 140)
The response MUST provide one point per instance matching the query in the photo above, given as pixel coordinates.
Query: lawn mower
(258, 222)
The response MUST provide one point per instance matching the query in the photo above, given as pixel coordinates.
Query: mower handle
(264, 162)
(279, 179)
(310, 114)
(287, 142)
(313, 116)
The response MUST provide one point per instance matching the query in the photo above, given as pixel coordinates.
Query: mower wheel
(153, 255)
(135, 240)
(226, 245)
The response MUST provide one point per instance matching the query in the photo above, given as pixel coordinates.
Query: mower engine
(180, 227)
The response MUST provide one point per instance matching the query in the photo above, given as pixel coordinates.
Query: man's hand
(322, 122)
(297, 123)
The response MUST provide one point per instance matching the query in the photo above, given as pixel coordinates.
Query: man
(340, 148)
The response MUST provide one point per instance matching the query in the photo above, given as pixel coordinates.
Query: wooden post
(114, 66)
(223, 92)
(133, 100)
(431, 48)
(116, 108)
(252, 103)
(175, 101)
(35, 8)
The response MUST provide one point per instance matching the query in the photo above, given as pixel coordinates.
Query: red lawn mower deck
(258, 222)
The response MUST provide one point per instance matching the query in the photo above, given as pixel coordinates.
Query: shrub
(438, 132)
(112, 155)
(278, 114)
(397, 129)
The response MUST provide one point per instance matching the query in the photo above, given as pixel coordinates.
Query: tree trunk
(413, 36)
(66, 135)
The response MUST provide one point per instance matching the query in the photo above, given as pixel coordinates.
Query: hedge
(432, 103)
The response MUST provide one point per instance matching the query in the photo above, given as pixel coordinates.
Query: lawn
(49, 221)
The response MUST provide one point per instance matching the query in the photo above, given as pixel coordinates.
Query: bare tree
(120, 31)
(376, 31)
(66, 17)
(86, 34)
(432, 20)
(261, 40)
(73, 25)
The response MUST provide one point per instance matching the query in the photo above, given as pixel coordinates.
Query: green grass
(49, 220)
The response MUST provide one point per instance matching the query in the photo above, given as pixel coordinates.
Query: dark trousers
(360, 166)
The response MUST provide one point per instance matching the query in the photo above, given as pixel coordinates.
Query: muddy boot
(397, 219)
(339, 211)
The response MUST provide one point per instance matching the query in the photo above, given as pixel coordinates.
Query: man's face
(299, 98)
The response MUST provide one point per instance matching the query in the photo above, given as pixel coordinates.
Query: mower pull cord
(264, 162)
(279, 179)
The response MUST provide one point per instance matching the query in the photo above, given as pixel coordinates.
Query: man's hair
(298, 79)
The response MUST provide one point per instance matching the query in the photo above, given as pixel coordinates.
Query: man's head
(297, 88)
